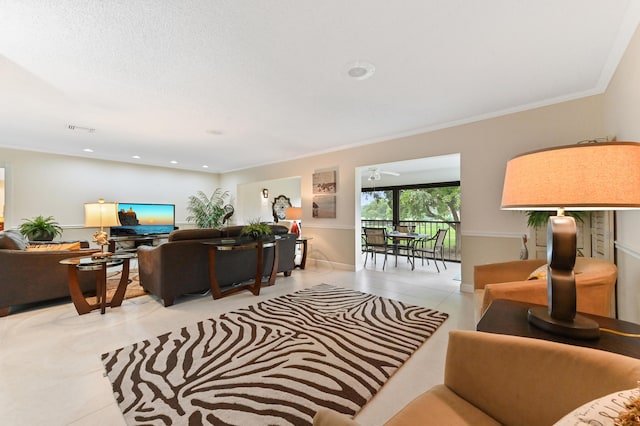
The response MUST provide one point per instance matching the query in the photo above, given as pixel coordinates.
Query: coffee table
(510, 317)
(99, 266)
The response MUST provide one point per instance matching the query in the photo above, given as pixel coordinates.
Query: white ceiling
(237, 83)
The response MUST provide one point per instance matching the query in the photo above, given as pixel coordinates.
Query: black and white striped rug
(273, 363)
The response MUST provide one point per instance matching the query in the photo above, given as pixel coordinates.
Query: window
(426, 207)
(376, 205)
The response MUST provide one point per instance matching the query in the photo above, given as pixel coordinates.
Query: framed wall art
(324, 182)
(324, 206)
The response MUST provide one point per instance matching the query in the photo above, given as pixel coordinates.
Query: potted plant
(207, 212)
(40, 228)
(256, 230)
(538, 219)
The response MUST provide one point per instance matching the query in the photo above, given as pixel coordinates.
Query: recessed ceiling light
(215, 132)
(87, 150)
(204, 166)
(360, 70)
(137, 157)
(173, 162)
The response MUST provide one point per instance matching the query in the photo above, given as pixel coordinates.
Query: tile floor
(51, 373)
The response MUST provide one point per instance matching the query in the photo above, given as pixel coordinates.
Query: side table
(302, 241)
(99, 266)
(235, 245)
(510, 317)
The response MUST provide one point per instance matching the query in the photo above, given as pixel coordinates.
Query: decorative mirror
(279, 207)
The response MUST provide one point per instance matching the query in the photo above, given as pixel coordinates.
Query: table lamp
(294, 214)
(589, 176)
(101, 214)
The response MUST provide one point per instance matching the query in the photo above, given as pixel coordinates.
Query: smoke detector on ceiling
(360, 70)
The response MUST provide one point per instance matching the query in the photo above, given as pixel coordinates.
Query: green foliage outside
(425, 204)
(378, 205)
(430, 204)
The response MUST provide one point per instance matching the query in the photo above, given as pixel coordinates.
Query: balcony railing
(452, 249)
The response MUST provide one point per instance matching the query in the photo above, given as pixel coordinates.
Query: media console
(126, 243)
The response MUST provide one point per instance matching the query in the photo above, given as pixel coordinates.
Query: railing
(452, 249)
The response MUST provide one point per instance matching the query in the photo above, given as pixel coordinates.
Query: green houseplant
(207, 211)
(539, 219)
(256, 230)
(40, 228)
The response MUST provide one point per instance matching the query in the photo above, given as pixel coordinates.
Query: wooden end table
(234, 245)
(510, 317)
(99, 266)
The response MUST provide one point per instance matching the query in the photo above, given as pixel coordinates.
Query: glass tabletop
(87, 261)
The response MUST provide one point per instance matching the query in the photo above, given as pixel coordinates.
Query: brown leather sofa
(34, 276)
(494, 379)
(595, 282)
(181, 265)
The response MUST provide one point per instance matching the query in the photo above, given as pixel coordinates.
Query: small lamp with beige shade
(101, 214)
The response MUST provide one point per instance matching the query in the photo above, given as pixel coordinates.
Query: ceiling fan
(376, 174)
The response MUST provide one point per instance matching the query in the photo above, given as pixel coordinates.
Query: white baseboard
(466, 288)
(326, 264)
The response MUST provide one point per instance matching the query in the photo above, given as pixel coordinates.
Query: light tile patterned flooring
(51, 373)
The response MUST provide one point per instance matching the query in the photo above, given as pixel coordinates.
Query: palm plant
(207, 212)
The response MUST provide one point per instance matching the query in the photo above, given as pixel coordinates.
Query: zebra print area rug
(274, 363)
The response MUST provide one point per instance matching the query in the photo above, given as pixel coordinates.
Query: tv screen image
(144, 219)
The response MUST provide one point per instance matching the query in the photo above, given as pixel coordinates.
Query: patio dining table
(411, 239)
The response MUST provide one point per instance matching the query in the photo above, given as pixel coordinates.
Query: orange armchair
(595, 282)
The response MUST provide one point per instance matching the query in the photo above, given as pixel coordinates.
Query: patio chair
(436, 250)
(376, 241)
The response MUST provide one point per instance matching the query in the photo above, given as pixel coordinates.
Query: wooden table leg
(303, 261)
(117, 298)
(80, 303)
(274, 267)
(101, 287)
(216, 293)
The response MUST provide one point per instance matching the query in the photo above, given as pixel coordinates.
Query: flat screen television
(144, 219)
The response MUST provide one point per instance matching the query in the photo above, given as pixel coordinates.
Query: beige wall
(485, 147)
(44, 184)
(622, 118)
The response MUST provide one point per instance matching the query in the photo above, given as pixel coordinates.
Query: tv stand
(127, 243)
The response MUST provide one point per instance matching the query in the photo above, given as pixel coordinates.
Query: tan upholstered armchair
(595, 281)
(495, 379)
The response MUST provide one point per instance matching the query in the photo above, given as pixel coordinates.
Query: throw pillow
(55, 247)
(12, 240)
(540, 273)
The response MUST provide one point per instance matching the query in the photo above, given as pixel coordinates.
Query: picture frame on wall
(324, 206)
(324, 182)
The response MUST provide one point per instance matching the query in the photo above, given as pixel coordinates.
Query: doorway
(388, 193)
